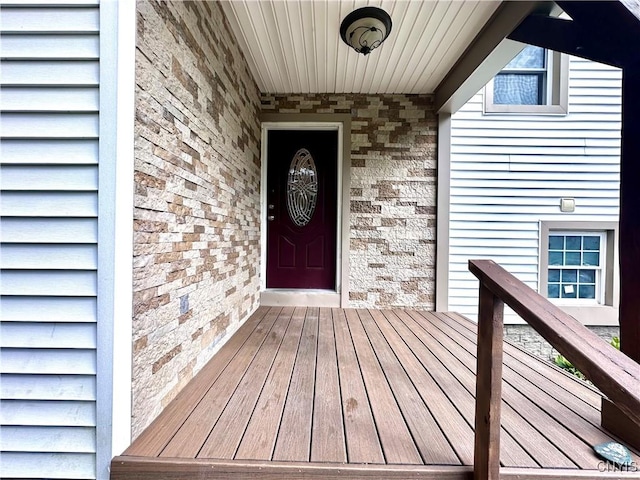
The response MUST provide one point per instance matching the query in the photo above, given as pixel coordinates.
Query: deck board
(357, 414)
(294, 437)
(189, 439)
(590, 396)
(457, 431)
(397, 443)
(234, 419)
(260, 435)
(549, 391)
(564, 429)
(460, 380)
(427, 433)
(327, 436)
(325, 393)
(543, 451)
(573, 414)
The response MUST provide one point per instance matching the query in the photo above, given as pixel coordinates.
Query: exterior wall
(196, 218)
(508, 173)
(527, 338)
(51, 169)
(393, 193)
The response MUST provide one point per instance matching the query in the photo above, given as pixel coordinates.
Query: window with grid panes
(575, 266)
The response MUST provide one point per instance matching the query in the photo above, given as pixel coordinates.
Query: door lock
(271, 206)
(271, 218)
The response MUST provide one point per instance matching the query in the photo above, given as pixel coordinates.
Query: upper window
(535, 81)
(523, 81)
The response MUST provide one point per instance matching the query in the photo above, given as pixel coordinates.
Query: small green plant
(615, 341)
(565, 364)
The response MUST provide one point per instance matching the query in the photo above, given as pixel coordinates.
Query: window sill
(552, 110)
(593, 315)
(588, 315)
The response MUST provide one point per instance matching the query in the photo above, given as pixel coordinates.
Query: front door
(301, 208)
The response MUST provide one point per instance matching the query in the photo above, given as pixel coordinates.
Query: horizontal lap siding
(49, 226)
(508, 172)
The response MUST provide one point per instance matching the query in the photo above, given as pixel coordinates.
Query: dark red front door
(301, 208)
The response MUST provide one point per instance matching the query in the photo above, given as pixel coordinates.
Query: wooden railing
(615, 374)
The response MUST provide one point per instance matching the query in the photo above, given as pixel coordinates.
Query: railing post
(488, 386)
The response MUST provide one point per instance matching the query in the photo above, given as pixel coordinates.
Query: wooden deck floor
(308, 392)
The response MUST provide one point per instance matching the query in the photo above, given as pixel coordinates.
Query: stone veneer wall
(393, 193)
(526, 337)
(197, 174)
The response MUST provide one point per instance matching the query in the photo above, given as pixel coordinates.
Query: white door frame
(308, 297)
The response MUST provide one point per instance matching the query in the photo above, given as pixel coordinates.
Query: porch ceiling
(294, 46)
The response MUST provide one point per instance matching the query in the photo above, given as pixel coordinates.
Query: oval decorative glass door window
(302, 188)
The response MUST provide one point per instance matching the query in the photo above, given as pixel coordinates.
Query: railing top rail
(615, 374)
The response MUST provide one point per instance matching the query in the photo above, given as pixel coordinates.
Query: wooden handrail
(615, 374)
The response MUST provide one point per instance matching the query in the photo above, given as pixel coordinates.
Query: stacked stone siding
(197, 200)
(393, 193)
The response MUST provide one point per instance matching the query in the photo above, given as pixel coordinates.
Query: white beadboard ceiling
(294, 46)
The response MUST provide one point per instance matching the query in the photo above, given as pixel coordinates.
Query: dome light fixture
(365, 29)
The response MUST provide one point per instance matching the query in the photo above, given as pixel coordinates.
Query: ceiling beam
(583, 34)
(489, 52)
(619, 16)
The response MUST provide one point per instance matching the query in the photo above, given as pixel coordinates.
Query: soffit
(294, 46)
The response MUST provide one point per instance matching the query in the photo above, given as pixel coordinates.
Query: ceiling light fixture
(365, 29)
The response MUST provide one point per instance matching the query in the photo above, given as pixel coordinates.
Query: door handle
(271, 218)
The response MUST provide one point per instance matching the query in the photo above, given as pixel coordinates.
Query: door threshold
(282, 297)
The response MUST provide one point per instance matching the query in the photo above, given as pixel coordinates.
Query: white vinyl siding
(49, 128)
(509, 172)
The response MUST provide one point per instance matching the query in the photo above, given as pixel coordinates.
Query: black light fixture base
(360, 38)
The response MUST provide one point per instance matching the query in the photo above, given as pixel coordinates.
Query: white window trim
(557, 92)
(606, 313)
(600, 270)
